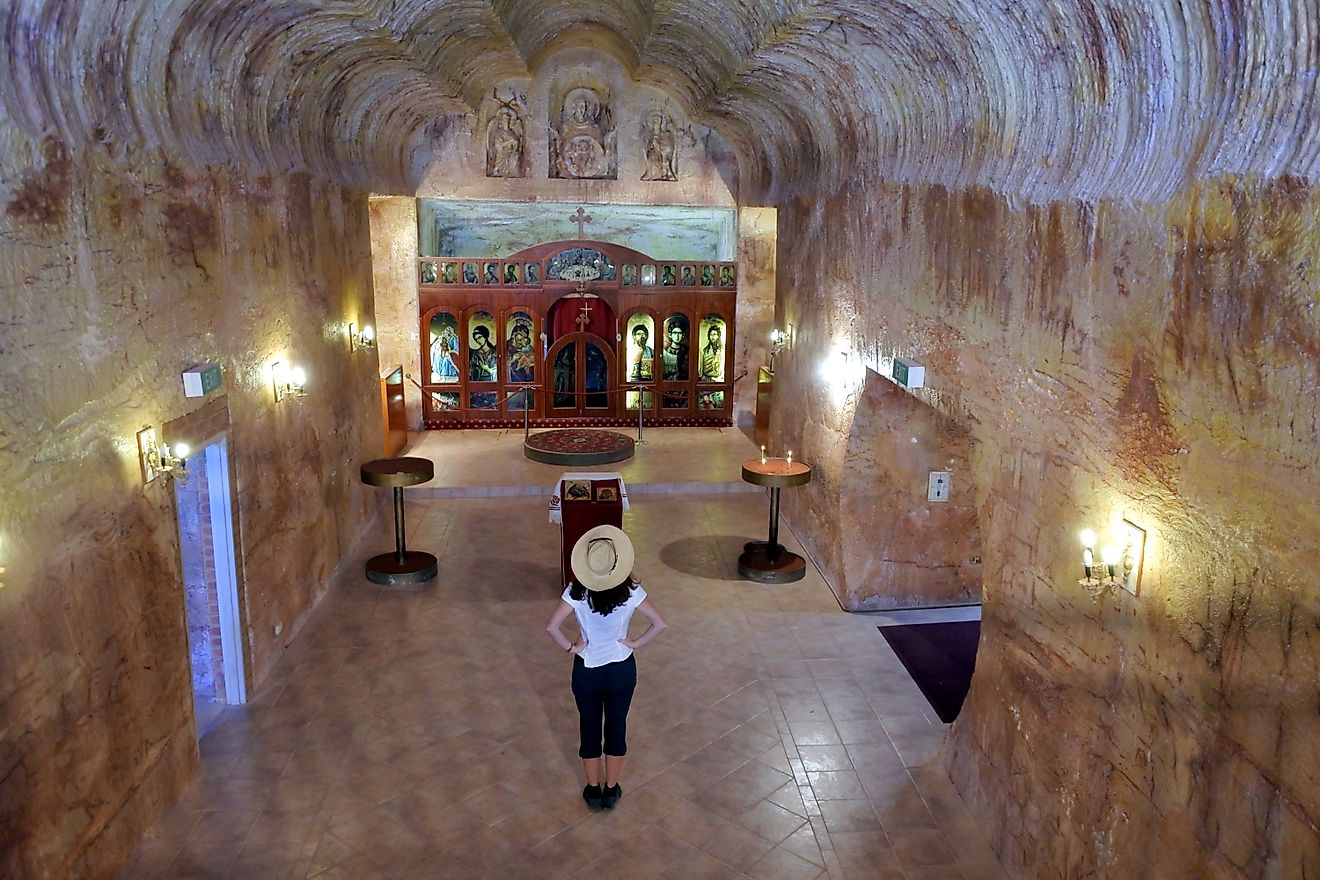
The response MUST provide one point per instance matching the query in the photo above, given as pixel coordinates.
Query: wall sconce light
(365, 340)
(157, 459)
(779, 340)
(1121, 562)
(289, 381)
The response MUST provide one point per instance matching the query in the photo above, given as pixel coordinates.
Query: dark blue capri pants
(603, 695)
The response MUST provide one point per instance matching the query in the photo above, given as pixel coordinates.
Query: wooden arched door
(581, 378)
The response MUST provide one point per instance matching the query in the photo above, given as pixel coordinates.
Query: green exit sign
(909, 373)
(201, 380)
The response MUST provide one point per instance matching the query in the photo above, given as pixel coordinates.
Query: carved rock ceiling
(1043, 99)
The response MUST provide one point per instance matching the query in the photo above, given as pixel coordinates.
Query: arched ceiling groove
(1041, 99)
(1082, 99)
(696, 49)
(463, 42)
(541, 27)
(266, 84)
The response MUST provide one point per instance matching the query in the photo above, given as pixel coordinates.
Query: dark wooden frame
(502, 299)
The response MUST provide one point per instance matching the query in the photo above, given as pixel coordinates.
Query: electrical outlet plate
(937, 486)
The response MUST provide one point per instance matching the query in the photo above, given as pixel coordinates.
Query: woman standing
(603, 596)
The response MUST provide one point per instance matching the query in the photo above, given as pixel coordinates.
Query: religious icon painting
(428, 273)
(710, 400)
(520, 401)
(483, 356)
(726, 276)
(674, 355)
(674, 400)
(667, 276)
(710, 366)
(444, 348)
(565, 378)
(484, 400)
(449, 273)
(607, 493)
(648, 275)
(518, 345)
(510, 273)
(533, 274)
(647, 400)
(641, 348)
(492, 274)
(445, 401)
(707, 276)
(688, 276)
(577, 490)
(469, 273)
(629, 275)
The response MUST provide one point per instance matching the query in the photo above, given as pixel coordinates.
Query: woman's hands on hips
(630, 644)
(578, 647)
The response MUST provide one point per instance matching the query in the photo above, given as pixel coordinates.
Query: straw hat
(602, 558)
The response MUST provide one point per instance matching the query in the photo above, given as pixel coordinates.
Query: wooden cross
(584, 318)
(580, 218)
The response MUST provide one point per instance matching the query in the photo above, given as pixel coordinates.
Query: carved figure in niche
(505, 136)
(582, 146)
(661, 148)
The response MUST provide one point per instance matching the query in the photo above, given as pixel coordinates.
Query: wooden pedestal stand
(767, 562)
(403, 567)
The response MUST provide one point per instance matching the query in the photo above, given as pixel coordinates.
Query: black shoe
(610, 796)
(592, 795)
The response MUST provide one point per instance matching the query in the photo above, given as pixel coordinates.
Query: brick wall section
(199, 429)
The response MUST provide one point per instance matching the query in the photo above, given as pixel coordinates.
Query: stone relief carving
(506, 137)
(582, 144)
(660, 147)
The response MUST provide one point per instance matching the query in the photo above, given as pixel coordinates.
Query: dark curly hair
(603, 602)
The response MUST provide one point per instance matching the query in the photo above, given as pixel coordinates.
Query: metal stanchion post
(641, 408)
(527, 426)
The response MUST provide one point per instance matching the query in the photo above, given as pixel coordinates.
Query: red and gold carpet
(578, 446)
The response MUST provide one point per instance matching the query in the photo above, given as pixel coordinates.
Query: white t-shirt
(602, 631)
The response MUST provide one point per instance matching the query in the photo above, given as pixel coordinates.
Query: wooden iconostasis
(576, 333)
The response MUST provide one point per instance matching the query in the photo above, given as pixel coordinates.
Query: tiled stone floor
(432, 734)
(492, 463)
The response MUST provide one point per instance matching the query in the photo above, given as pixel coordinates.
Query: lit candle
(1088, 558)
(790, 458)
(763, 454)
(1110, 556)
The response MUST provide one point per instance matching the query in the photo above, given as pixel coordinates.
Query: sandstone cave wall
(1157, 362)
(119, 270)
